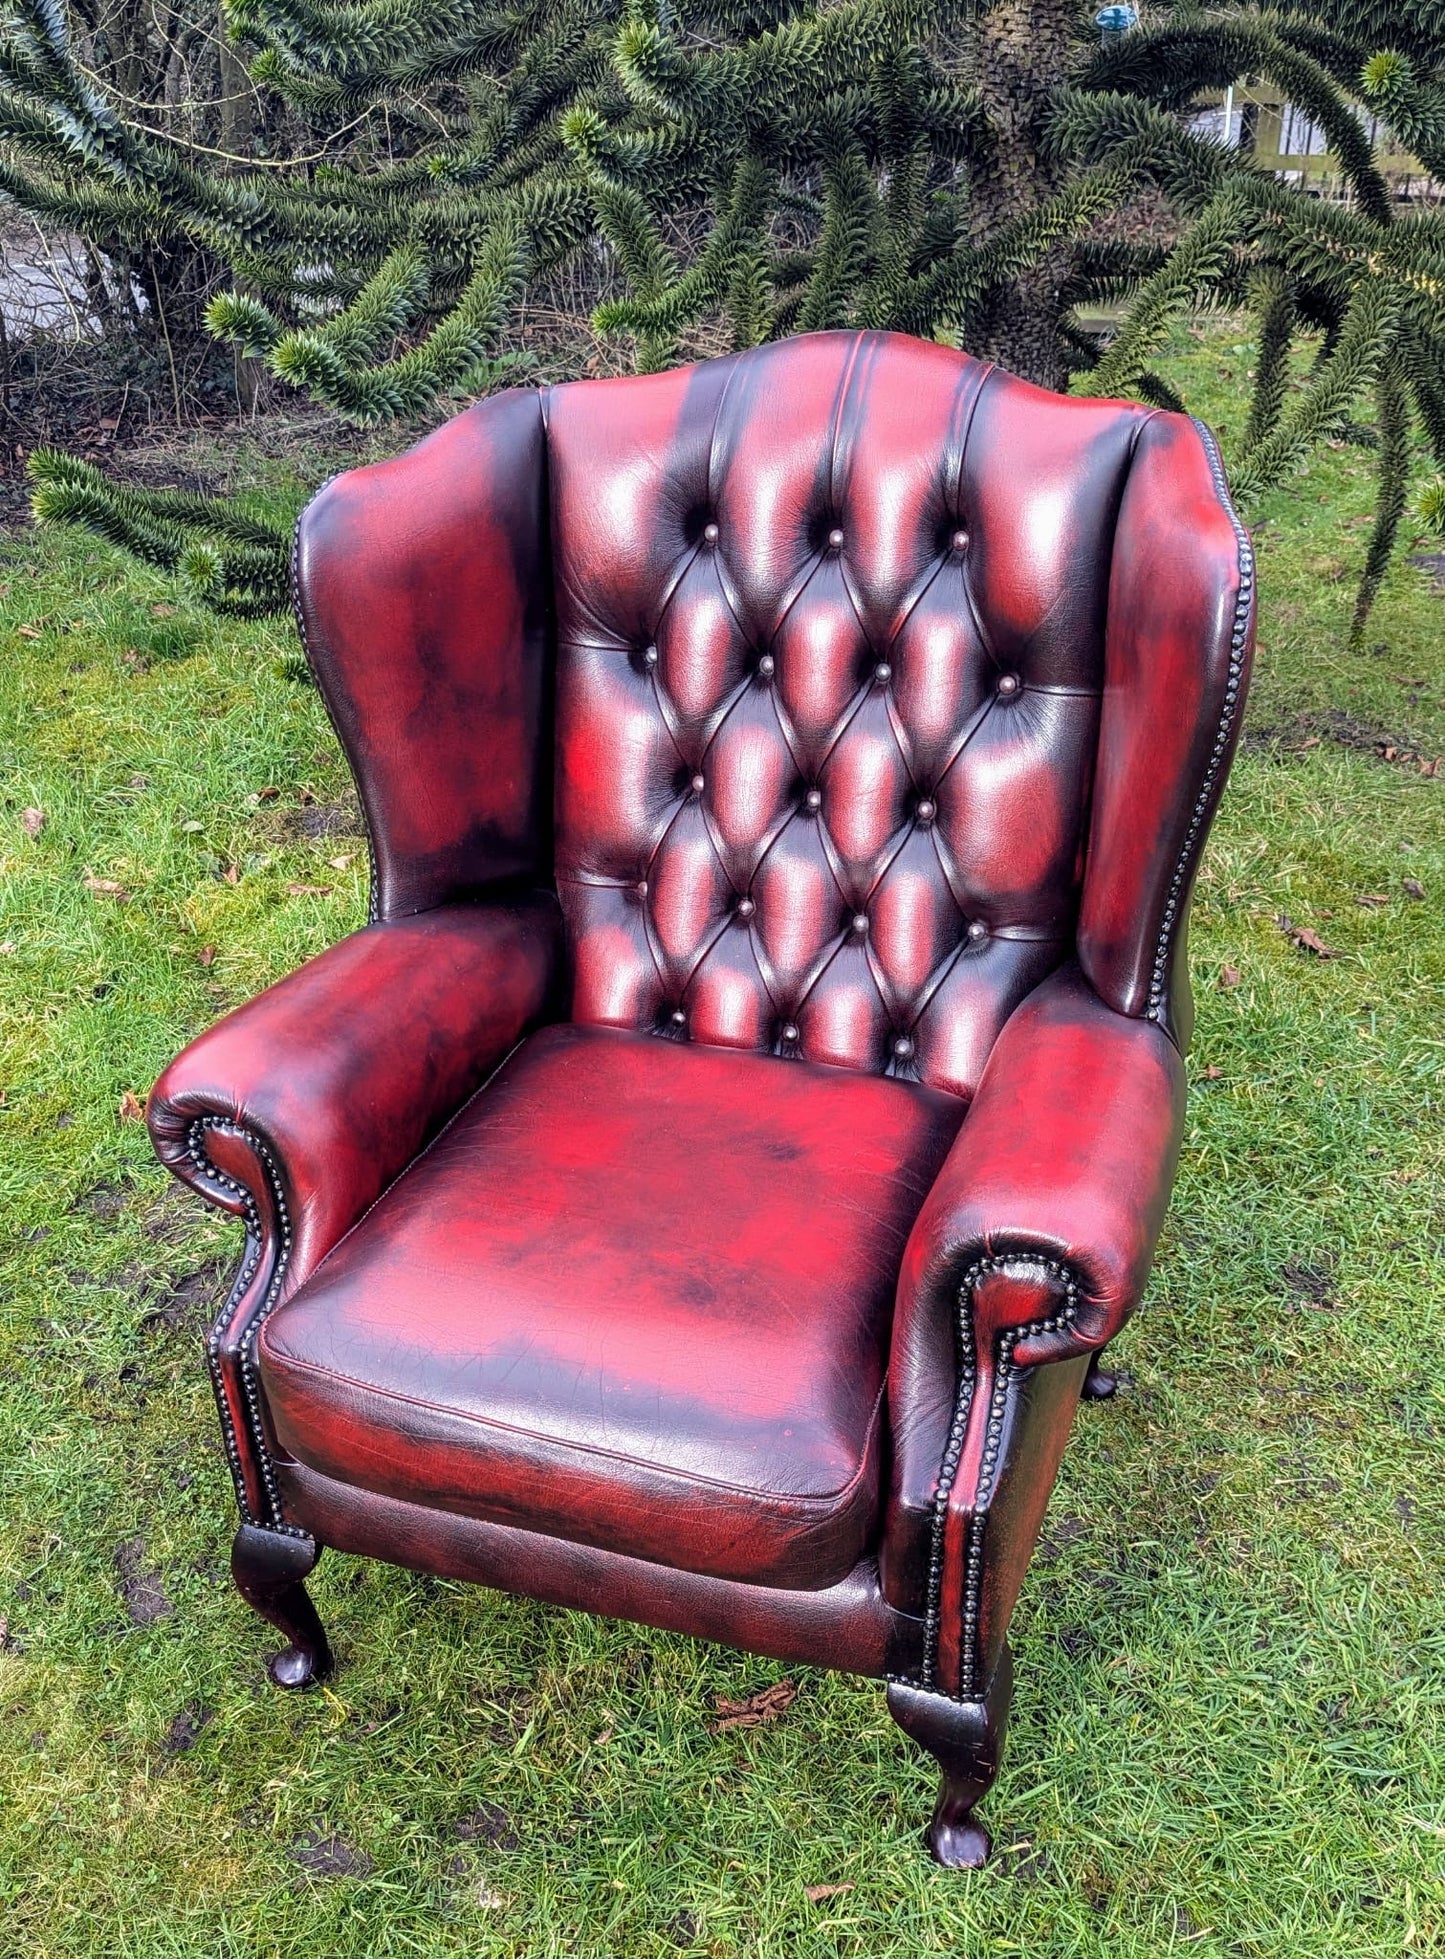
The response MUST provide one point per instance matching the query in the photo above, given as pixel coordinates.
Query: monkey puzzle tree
(724, 171)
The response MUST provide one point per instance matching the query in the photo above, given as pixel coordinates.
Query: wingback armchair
(703, 1189)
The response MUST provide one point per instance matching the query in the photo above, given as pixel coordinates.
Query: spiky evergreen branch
(753, 167)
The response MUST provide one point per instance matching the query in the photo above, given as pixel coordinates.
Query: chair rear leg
(268, 1567)
(1100, 1383)
(965, 1738)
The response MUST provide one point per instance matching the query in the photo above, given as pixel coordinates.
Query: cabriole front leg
(268, 1567)
(232, 1167)
(965, 1738)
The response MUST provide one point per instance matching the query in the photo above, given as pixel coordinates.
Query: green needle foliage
(727, 171)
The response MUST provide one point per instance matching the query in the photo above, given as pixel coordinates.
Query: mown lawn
(1229, 1734)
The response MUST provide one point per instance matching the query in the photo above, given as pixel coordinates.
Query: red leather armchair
(701, 1191)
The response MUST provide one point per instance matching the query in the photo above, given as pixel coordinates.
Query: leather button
(978, 930)
(927, 809)
(642, 887)
(649, 656)
(698, 785)
(745, 907)
(813, 799)
(710, 533)
(790, 1030)
(860, 923)
(959, 541)
(765, 666)
(835, 540)
(1008, 683)
(903, 1047)
(679, 1018)
(882, 672)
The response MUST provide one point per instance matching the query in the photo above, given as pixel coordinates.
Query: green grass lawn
(1229, 1734)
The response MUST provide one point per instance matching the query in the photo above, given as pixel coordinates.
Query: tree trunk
(238, 137)
(1023, 51)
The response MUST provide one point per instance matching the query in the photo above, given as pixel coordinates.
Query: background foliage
(719, 172)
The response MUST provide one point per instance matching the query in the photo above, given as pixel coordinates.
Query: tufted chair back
(876, 684)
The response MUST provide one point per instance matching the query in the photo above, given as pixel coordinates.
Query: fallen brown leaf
(308, 891)
(816, 1893)
(108, 887)
(340, 863)
(32, 821)
(1371, 900)
(207, 954)
(1413, 887)
(1308, 941)
(131, 1108)
(161, 611)
(231, 874)
(765, 1705)
(1229, 976)
(7, 948)
(31, 632)
(1213, 1074)
(268, 794)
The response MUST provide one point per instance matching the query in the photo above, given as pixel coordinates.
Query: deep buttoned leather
(830, 650)
(638, 1295)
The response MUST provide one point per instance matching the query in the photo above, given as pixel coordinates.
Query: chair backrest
(876, 684)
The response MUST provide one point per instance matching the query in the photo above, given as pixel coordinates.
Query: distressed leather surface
(347, 1067)
(637, 1294)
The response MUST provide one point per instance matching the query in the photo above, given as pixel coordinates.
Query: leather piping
(373, 892)
(1184, 868)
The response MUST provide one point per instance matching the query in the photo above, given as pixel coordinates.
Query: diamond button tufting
(959, 540)
(860, 923)
(903, 1047)
(978, 930)
(790, 1030)
(765, 666)
(679, 1018)
(927, 809)
(745, 908)
(882, 672)
(1008, 683)
(813, 799)
(710, 533)
(649, 656)
(835, 540)
(698, 785)
(642, 887)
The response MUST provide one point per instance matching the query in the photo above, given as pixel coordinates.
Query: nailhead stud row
(1004, 1371)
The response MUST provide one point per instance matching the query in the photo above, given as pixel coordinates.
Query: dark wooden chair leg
(1099, 1383)
(965, 1738)
(268, 1567)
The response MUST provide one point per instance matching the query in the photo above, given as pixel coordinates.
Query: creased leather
(348, 1067)
(638, 1294)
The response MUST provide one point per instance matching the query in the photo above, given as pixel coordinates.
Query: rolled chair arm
(295, 1112)
(1033, 1246)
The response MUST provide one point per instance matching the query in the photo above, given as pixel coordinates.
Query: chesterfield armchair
(703, 1189)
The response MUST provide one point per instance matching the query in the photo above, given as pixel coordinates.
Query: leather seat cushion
(638, 1294)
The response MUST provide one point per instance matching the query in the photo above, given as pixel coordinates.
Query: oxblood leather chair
(698, 1194)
